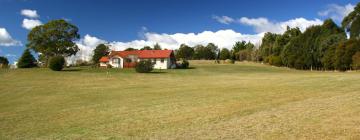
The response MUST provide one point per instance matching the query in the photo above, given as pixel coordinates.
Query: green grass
(241, 101)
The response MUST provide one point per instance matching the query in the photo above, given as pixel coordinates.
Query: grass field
(241, 101)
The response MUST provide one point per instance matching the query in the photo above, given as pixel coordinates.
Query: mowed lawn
(210, 101)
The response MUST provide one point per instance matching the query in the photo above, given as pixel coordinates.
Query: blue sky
(135, 23)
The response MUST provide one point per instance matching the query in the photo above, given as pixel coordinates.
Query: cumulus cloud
(7, 40)
(264, 25)
(29, 13)
(223, 19)
(86, 46)
(30, 23)
(222, 38)
(337, 12)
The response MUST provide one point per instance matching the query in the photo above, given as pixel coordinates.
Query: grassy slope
(246, 100)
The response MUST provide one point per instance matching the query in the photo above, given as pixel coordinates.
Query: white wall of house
(114, 64)
(162, 63)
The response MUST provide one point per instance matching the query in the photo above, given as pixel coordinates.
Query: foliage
(275, 60)
(208, 53)
(57, 63)
(356, 61)
(130, 49)
(26, 60)
(54, 38)
(183, 65)
(344, 54)
(146, 48)
(4, 62)
(224, 54)
(352, 22)
(100, 51)
(157, 46)
(144, 66)
(184, 52)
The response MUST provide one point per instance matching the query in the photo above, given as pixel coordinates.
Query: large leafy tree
(224, 54)
(27, 60)
(55, 38)
(185, 52)
(4, 62)
(100, 51)
(344, 53)
(352, 22)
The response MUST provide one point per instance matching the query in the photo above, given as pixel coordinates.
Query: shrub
(57, 63)
(144, 66)
(183, 65)
(275, 60)
(229, 61)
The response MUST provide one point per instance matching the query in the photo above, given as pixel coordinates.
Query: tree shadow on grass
(157, 72)
(71, 70)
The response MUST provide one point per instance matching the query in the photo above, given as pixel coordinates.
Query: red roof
(144, 53)
(104, 59)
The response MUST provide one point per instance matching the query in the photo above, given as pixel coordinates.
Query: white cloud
(30, 23)
(29, 13)
(7, 40)
(223, 19)
(222, 38)
(264, 25)
(86, 46)
(337, 12)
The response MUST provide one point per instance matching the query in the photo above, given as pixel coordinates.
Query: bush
(275, 60)
(229, 61)
(144, 66)
(183, 65)
(57, 63)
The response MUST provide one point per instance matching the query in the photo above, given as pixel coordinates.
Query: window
(162, 60)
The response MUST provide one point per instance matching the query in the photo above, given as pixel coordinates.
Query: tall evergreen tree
(157, 46)
(27, 60)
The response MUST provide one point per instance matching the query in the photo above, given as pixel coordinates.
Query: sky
(136, 23)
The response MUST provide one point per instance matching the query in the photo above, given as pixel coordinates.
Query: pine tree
(27, 60)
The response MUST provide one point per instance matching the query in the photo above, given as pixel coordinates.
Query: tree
(54, 38)
(224, 54)
(352, 22)
(210, 51)
(4, 62)
(100, 51)
(356, 61)
(130, 49)
(185, 52)
(344, 54)
(27, 60)
(146, 48)
(57, 63)
(157, 46)
(144, 66)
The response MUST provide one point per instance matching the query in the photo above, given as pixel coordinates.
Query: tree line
(319, 47)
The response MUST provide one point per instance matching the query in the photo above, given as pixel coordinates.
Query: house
(162, 59)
